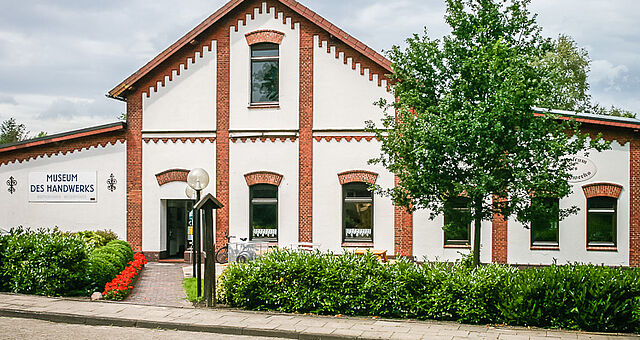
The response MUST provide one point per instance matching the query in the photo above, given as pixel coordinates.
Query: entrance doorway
(177, 225)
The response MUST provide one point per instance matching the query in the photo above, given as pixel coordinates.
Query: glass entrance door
(177, 224)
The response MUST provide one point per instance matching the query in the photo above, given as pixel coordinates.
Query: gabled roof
(64, 136)
(228, 7)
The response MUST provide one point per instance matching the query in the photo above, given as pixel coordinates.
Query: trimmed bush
(108, 261)
(572, 296)
(43, 262)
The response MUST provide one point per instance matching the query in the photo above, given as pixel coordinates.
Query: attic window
(265, 72)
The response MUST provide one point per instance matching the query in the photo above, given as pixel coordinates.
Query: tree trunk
(476, 233)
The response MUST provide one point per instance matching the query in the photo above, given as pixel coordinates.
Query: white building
(271, 99)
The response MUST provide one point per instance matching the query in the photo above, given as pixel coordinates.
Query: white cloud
(606, 74)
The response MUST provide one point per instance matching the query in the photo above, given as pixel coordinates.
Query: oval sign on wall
(584, 170)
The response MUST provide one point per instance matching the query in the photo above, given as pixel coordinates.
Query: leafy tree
(11, 132)
(567, 66)
(462, 123)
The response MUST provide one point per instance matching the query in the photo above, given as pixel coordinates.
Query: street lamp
(197, 180)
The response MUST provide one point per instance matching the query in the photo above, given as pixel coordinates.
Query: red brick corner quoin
(173, 175)
(264, 36)
(602, 189)
(263, 177)
(357, 176)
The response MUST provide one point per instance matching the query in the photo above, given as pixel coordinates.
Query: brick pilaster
(222, 137)
(134, 170)
(498, 239)
(305, 141)
(403, 230)
(634, 201)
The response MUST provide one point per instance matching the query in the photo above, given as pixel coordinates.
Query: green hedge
(573, 296)
(43, 262)
(95, 239)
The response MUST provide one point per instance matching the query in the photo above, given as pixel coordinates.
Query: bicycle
(222, 254)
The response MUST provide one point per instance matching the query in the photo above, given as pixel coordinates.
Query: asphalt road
(14, 328)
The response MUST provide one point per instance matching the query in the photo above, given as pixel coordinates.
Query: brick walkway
(160, 284)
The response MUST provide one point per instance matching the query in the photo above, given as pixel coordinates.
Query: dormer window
(265, 71)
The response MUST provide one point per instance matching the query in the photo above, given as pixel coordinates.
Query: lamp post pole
(197, 179)
(196, 231)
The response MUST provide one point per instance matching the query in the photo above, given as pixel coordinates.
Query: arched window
(457, 222)
(263, 212)
(357, 213)
(265, 73)
(601, 221)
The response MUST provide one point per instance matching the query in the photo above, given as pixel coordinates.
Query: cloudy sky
(59, 58)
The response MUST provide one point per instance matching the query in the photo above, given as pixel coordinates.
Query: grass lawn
(190, 288)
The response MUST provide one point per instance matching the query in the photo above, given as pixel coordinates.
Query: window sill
(357, 244)
(545, 248)
(457, 246)
(264, 106)
(600, 248)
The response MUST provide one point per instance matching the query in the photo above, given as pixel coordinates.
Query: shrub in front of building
(107, 261)
(43, 262)
(571, 296)
(95, 238)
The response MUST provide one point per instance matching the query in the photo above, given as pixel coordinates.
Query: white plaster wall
(279, 157)
(284, 117)
(109, 212)
(428, 240)
(188, 102)
(612, 167)
(156, 158)
(342, 97)
(330, 159)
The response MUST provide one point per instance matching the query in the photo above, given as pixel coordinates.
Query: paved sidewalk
(226, 321)
(160, 284)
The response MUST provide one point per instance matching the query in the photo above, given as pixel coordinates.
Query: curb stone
(123, 322)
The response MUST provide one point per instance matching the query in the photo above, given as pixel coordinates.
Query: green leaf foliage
(43, 262)
(571, 296)
(463, 123)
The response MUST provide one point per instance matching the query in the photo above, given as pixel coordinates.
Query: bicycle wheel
(222, 255)
(242, 258)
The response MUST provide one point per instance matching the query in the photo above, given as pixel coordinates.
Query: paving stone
(376, 334)
(160, 284)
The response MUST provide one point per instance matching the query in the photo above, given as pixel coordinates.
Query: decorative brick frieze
(263, 177)
(176, 139)
(61, 148)
(346, 138)
(264, 36)
(263, 139)
(173, 175)
(602, 189)
(357, 176)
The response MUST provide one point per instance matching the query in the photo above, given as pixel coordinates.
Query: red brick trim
(357, 176)
(66, 136)
(634, 200)
(262, 139)
(293, 7)
(222, 133)
(263, 177)
(602, 189)
(134, 171)
(498, 238)
(305, 141)
(176, 139)
(403, 230)
(173, 175)
(61, 148)
(264, 36)
(346, 138)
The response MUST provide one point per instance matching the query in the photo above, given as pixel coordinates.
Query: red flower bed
(120, 287)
